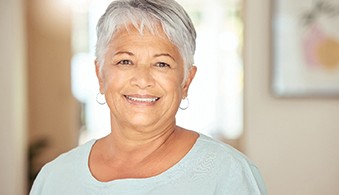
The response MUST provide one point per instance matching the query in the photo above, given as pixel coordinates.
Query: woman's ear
(189, 79)
(99, 76)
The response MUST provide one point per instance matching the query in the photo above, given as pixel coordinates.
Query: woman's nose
(143, 78)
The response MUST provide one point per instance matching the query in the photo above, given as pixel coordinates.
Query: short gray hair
(142, 14)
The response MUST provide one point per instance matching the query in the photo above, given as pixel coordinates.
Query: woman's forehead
(132, 36)
(130, 28)
(134, 43)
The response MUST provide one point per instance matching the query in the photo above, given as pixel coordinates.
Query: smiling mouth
(142, 99)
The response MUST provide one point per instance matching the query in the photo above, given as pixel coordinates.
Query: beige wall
(36, 99)
(53, 112)
(295, 142)
(12, 99)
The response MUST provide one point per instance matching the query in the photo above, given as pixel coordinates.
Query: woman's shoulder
(231, 162)
(222, 149)
(78, 152)
(224, 154)
(64, 169)
(68, 160)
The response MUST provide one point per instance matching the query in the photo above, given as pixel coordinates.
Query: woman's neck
(128, 143)
(115, 158)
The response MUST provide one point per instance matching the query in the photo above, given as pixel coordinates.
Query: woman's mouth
(142, 99)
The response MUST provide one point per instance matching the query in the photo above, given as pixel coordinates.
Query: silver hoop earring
(101, 99)
(184, 104)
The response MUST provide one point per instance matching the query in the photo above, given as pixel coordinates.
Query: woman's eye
(163, 65)
(125, 62)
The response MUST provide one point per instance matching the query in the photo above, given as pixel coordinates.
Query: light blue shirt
(210, 167)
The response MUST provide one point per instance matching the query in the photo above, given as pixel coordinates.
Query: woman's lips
(142, 99)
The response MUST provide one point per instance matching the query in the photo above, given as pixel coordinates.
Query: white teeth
(142, 99)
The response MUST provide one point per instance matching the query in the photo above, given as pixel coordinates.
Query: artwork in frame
(305, 48)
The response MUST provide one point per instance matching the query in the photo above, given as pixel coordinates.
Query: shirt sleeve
(238, 175)
(259, 180)
(37, 188)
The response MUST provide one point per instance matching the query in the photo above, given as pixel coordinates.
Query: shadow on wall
(35, 150)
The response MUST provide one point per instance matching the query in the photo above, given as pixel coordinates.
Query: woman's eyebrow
(164, 54)
(156, 55)
(123, 52)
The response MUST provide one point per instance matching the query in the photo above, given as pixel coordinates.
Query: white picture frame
(305, 48)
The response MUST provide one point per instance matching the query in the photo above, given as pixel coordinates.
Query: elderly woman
(145, 66)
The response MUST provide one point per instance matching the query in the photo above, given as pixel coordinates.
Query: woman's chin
(147, 121)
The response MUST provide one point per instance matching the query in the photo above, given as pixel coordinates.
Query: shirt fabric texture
(210, 167)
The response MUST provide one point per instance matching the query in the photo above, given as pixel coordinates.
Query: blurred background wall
(53, 113)
(13, 115)
(294, 142)
(39, 117)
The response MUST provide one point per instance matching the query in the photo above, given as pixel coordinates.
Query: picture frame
(305, 48)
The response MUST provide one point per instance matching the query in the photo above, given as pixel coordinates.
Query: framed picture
(305, 48)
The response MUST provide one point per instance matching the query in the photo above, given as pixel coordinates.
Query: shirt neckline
(171, 173)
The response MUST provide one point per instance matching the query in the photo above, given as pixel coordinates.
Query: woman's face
(142, 79)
